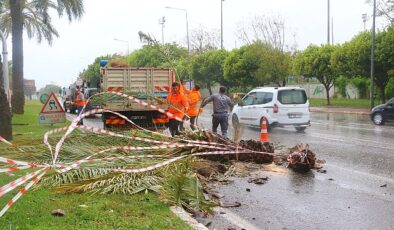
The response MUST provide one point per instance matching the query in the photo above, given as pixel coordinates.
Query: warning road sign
(52, 112)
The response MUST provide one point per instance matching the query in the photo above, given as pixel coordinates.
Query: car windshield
(292, 96)
(391, 101)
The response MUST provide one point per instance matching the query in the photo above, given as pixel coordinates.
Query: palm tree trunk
(5, 112)
(18, 98)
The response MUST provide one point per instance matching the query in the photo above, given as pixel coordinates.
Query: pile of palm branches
(86, 159)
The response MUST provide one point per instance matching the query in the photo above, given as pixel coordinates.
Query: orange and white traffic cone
(264, 131)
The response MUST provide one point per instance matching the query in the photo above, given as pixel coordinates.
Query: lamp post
(124, 41)
(373, 55)
(221, 24)
(162, 21)
(187, 25)
(328, 21)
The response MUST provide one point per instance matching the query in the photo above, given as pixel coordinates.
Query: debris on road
(259, 180)
(229, 205)
(383, 186)
(301, 158)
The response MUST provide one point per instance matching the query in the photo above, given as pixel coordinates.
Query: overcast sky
(80, 42)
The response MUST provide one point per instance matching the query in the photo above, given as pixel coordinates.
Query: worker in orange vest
(194, 97)
(80, 103)
(178, 107)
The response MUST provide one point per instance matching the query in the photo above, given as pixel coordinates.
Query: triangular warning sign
(52, 105)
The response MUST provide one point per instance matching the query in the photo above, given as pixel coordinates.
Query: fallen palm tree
(87, 159)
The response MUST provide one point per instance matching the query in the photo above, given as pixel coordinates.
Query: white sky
(80, 42)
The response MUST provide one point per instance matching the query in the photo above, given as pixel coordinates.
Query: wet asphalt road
(359, 160)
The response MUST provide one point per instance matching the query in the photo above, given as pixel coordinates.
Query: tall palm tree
(33, 16)
(5, 112)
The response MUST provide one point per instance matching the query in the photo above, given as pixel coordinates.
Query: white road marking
(235, 219)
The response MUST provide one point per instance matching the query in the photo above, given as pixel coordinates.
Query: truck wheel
(300, 128)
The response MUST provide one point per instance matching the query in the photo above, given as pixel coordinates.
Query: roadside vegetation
(343, 102)
(82, 210)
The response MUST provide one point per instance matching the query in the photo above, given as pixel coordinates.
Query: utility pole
(161, 22)
(328, 21)
(332, 30)
(373, 56)
(221, 24)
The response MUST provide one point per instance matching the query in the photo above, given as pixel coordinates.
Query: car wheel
(235, 120)
(378, 119)
(300, 129)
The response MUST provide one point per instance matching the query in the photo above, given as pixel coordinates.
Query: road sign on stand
(52, 112)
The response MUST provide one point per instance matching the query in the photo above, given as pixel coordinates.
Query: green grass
(25, 126)
(343, 102)
(33, 210)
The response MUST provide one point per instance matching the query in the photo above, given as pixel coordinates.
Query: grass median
(82, 211)
(342, 102)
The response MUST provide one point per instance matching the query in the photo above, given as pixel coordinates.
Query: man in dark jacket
(221, 106)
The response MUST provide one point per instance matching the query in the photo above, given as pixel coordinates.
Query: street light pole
(187, 25)
(373, 55)
(161, 22)
(221, 24)
(328, 21)
(128, 44)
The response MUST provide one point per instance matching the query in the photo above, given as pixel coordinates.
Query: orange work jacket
(80, 100)
(193, 97)
(179, 104)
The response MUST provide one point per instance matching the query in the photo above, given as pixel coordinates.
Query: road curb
(185, 216)
(314, 110)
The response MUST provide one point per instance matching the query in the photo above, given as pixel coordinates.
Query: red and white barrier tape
(2, 139)
(22, 192)
(14, 184)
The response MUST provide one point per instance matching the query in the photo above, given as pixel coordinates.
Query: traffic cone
(264, 132)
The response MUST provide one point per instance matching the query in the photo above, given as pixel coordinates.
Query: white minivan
(281, 106)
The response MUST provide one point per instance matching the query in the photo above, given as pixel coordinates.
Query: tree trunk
(327, 87)
(18, 98)
(5, 112)
(382, 93)
(209, 88)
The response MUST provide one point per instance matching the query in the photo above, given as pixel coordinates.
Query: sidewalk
(329, 109)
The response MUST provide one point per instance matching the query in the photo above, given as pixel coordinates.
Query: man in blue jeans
(221, 106)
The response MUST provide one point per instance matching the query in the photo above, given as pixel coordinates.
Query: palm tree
(5, 112)
(33, 16)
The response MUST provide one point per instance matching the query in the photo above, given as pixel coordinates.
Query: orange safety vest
(79, 101)
(194, 98)
(178, 102)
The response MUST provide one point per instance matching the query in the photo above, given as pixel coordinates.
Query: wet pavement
(355, 193)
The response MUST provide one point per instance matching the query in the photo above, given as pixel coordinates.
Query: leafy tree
(33, 16)
(257, 64)
(384, 60)
(353, 58)
(207, 68)
(157, 55)
(50, 88)
(5, 112)
(316, 61)
(92, 73)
